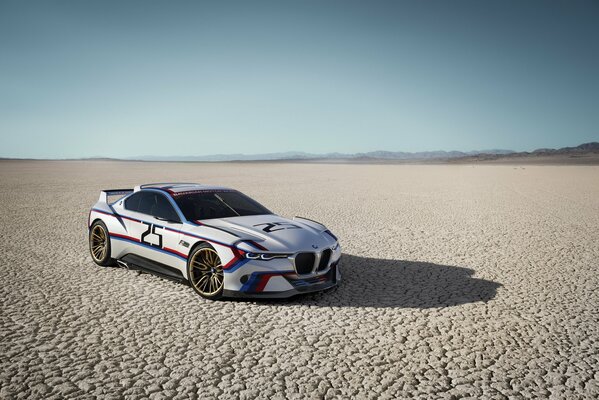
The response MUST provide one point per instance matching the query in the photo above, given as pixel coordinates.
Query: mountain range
(584, 153)
(592, 147)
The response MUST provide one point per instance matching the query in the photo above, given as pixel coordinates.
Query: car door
(164, 231)
(153, 221)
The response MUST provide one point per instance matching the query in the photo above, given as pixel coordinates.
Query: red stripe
(174, 251)
(117, 215)
(206, 240)
(263, 281)
(167, 190)
(138, 241)
(129, 218)
(104, 212)
(172, 230)
(124, 237)
(237, 255)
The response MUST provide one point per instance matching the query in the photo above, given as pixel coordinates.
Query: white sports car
(219, 240)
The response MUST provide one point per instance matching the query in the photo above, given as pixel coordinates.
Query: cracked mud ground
(460, 281)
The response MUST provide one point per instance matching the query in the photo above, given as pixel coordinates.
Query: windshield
(210, 204)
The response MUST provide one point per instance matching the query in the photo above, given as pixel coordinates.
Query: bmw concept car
(219, 240)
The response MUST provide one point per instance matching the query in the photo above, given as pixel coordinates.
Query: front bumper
(300, 286)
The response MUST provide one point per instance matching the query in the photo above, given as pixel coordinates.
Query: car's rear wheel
(205, 272)
(99, 244)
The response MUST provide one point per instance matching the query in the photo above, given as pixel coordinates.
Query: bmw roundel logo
(314, 246)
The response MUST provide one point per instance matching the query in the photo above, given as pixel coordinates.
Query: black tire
(205, 272)
(99, 244)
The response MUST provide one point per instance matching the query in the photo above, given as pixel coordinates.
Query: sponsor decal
(177, 194)
(117, 192)
(277, 226)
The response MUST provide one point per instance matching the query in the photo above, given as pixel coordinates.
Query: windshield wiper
(225, 203)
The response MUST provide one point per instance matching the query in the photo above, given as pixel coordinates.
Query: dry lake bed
(460, 281)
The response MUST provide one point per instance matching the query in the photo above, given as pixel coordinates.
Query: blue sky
(133, 78)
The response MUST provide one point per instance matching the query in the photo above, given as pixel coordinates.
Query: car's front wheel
(99, 244)
(205, 272)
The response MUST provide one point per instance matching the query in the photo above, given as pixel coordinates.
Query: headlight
(335, 247)
(265, 256)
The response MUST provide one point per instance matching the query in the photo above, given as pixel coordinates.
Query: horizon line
(311, 156)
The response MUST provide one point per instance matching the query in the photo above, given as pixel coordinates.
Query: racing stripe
(237, 261)
(164, 227)
(118, 235)
(238, 254)
(256, 245)
(182, 255)
(136, 241)
(258, 280)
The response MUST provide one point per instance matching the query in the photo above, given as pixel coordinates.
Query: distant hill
(592, 147)
(294, 155)
(382, 155)
(586, 153)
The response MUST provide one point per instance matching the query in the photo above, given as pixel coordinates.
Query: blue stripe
(149, 247)
(209, 240)
(236, 266)
(167, 228)
(250, 283)
(103, 212)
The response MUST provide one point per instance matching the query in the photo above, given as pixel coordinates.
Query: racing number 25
(151, 230)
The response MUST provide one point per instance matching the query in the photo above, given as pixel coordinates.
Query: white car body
(245, 245)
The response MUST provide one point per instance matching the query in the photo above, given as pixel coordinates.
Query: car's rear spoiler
(104, 194)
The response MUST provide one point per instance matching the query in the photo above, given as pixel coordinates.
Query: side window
(153, 204)
(163, 209)
(147, 203)
(132, 202)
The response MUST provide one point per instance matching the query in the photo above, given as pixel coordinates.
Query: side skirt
(138, 263)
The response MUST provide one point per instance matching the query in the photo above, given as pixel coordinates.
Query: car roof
(177, 187)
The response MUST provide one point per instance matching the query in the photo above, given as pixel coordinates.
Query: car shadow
(379, 283)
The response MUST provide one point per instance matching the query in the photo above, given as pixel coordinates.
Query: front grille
(324, 259)
(304, 262)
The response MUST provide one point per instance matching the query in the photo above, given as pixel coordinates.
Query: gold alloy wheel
(207, 274)
(98, 243)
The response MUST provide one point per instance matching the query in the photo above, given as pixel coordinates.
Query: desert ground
(475, 281)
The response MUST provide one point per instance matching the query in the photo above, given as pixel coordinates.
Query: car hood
(277, 234)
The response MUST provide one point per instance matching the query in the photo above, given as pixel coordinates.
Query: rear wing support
(119, 193)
